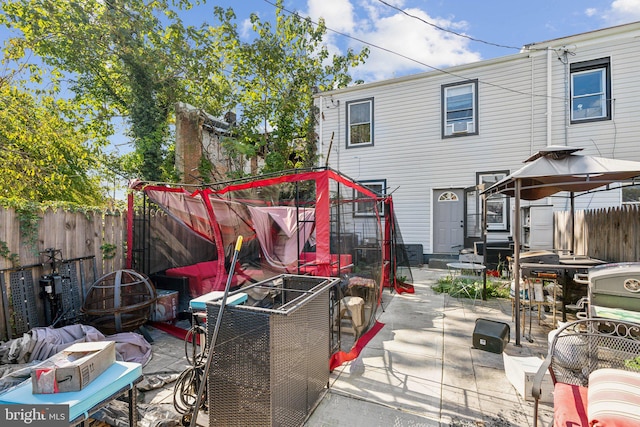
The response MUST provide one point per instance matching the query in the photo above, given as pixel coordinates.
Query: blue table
(118, 379)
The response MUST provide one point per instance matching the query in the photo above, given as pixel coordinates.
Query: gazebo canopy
(557, 168)
(552, 170)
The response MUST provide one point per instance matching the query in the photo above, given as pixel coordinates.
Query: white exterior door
(448, 221)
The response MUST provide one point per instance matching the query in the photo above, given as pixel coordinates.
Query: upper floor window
(360, 123)
(591, 91)
(460, 109)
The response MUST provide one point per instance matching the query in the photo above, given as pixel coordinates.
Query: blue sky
(408, 27)
(387, 24)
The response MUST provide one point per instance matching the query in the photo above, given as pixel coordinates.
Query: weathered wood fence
(610, 234)
(85, 244)
(76, 234)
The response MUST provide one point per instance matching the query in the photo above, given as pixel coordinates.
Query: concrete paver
(419, 370)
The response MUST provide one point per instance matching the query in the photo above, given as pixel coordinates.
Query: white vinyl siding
(513, 95)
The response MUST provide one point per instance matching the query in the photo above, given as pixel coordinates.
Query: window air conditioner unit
(461, 127)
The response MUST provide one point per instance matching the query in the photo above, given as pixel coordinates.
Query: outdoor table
(120, 378)
(457, 268)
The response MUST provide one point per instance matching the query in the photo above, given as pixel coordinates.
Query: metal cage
(271, 356)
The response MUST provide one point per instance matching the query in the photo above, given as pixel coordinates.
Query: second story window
(590, 91)
(460, 109)
(360, 123)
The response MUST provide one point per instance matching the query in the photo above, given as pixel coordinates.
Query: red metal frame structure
(316, 208)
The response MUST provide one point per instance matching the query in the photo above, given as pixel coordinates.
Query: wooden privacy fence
(609, 234)
(82, 246)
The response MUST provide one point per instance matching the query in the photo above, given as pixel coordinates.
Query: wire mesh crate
(271, 358)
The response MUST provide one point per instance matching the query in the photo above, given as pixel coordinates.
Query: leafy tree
(274, 77)
(133, 58)
(46, 151)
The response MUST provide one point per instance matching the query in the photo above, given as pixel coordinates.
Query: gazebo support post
(516, 258)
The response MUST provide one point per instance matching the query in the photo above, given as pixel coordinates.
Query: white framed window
(631, 194)
(497, 204)
(460, 109)
(360, 123)
(590, 91)
(366, 207)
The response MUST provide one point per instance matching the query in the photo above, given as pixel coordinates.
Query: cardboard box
(521, 371)
(73, 368)
(165, 309)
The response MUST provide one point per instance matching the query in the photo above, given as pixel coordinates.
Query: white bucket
(538, 292)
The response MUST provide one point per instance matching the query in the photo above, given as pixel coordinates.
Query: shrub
(495, 288)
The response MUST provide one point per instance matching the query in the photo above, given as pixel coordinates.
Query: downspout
(549, 99)
(516, 258)
(532, 125)
(340, 124)
(321, 120)
(565, 61)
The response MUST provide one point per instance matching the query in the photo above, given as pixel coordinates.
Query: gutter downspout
(532, 123)
(565, 61)
(549, 100)
(321, 120)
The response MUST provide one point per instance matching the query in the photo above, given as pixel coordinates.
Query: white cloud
(409, 45)
(423, 43)
(338, 14)
(622, 12)
(246, 28)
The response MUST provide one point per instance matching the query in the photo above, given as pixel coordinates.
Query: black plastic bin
(490, 335)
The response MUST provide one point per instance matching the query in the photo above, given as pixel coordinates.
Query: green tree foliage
(136, 59)
(274, 77)
(133, 58)
(46, 151)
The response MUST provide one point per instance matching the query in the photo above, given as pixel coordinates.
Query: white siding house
(432, 135)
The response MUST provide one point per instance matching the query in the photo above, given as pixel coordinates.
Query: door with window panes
(448, 221)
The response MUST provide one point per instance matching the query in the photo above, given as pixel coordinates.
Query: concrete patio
(419, 370)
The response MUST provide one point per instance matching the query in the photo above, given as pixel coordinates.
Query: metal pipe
(223, 303)
(516, 258)
(549, 97)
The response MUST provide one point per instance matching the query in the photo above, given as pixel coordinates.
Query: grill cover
(542, 257)
(615, 286)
